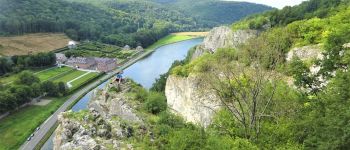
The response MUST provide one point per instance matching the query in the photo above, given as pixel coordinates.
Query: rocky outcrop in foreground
(223, 37)
(104, 126)
(187, 98)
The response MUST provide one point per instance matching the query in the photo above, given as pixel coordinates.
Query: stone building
(82, 62)
(61, 58)
(106, 64)
(139, 48)
(126, 47)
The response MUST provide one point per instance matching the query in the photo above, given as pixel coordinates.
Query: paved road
(50, 122)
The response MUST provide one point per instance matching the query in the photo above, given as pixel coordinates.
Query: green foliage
(27, 78)
(155, 103)
(306, 10)
(140, 93)
(214, 12)
(322, 125)
(300, 73)
(185, 138)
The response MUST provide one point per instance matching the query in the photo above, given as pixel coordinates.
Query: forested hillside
(274, 103)
(119, 22)
(215, 12)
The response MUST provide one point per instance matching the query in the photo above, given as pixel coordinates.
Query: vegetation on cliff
(306, 115)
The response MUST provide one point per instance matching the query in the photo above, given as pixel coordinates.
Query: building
(139, 49)
(72, 44)
(82, 62)
(106, 64)
(61, 58)
(126, 47)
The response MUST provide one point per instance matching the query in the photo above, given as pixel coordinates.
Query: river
(144, 72)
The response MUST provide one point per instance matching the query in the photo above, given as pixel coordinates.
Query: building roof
(105, 60)
(60, 55)
(72, 43)
(81, 60)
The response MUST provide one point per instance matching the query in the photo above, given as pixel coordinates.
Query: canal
(144, 72)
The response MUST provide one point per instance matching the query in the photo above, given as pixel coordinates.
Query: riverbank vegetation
(173, 38)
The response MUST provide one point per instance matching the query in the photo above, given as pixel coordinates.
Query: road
(50, 122)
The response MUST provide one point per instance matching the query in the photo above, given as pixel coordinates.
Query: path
(50, 122)
(77, 78)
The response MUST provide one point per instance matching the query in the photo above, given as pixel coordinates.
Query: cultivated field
(32, 43)
(177, 37)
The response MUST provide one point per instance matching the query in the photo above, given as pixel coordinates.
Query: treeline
(306, 10)
(18, 63)
(133, 23)
(26, 87)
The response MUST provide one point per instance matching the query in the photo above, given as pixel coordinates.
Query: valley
(174, 74)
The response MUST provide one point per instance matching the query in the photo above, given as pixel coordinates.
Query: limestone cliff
(222, 37)
(306, 53)
(187, 98)
(110, 119)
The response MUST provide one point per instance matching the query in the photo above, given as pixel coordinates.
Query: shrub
(155, 103)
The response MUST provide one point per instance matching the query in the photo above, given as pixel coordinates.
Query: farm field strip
(70, 76)
(52, 73)
(84, 79)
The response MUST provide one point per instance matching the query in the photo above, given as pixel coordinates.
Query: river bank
(86, 89)
(169, 53)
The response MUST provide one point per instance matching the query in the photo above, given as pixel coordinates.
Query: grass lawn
(175, 37)
(13, 77)
(51, 73)
(17, 127)
(70, 76)
(84, 79)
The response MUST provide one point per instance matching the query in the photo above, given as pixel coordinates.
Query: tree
(155, 103)
(27, 78)
(241, 91)
(62, 88)
(50, 88)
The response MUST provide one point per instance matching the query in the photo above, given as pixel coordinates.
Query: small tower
(126, 47)
(139, 48)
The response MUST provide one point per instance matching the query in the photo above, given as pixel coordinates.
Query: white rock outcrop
(187, 98)
(306, 53)
(223, 37)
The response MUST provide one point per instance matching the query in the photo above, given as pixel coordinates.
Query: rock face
(103, 126)
(305, 53)
(186, 97)
(222, 37)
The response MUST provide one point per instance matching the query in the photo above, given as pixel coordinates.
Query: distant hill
(215, 12)
(119, 22)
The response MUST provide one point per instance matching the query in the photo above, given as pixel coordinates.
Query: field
(52, 73)
(176, 37)
(84, 79)
(70, 76)
(17, 127)
(43, 75)
(32, 43)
